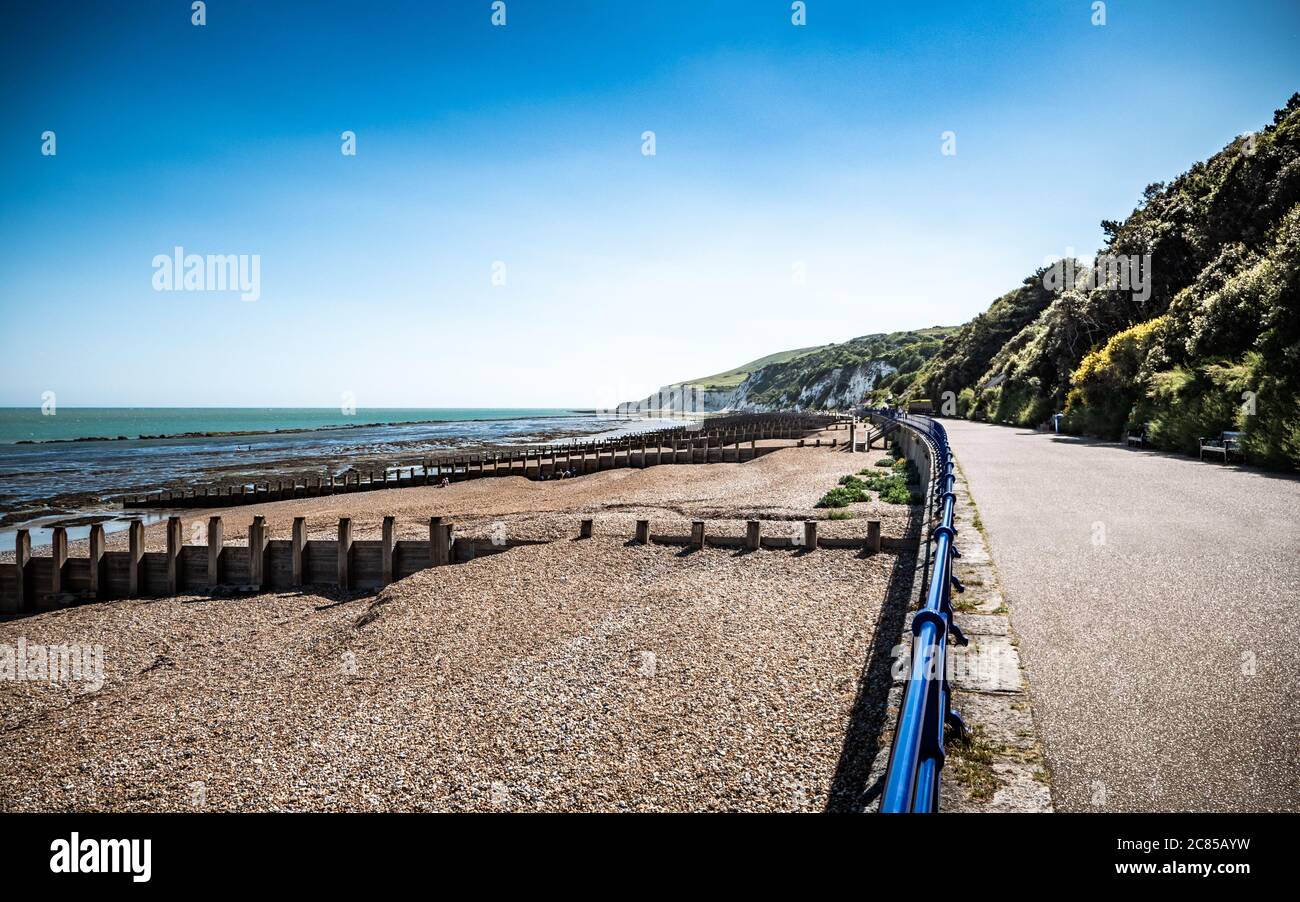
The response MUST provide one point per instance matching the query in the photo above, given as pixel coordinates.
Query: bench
(1226, 445)
(1137, 439)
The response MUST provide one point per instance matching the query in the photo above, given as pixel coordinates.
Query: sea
(106, 450)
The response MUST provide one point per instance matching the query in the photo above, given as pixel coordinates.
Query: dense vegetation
(967, 353)
(1213, 345)
(1210, 343)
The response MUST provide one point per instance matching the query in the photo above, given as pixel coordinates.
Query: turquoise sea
(32, 424)
(44, 467)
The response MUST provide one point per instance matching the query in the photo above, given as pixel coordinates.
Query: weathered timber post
(96, 559)
(463, 550)
(810, 534)
(135, 539)
(257, 552)
(643, 532)
(215, 541)
(173, 555)
(59, 550)
(873, 536)
(753, 535)
(697, 534)
(22, 554)
(297, 545)
(853, 437)
(584, 531)
(345, 552)
(386, 551)
(439, 541)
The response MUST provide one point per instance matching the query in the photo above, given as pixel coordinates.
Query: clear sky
(777, 147)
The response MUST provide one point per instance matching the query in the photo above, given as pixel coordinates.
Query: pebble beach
(566, 676)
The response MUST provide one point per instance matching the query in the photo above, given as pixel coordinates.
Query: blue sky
(776, 146)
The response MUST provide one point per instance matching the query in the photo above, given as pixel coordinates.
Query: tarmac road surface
(1157, 601)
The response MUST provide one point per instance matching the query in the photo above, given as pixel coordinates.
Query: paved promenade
(1156, 599)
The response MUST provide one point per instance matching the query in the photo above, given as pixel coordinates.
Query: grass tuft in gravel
(971, 764)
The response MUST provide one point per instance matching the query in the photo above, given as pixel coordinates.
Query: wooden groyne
(732, 439)
(34, 584)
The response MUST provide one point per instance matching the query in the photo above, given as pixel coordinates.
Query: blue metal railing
(915, 762)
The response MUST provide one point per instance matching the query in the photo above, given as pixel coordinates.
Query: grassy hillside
(731, 378)
(1213, 345)
(833, 366)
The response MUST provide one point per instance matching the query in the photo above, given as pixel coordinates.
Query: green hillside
(731, 378)
(830, 368)
(1212, 344)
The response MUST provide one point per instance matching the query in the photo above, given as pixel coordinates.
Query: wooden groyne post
(677, 445)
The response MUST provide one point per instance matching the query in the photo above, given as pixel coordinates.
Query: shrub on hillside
(1105, 385)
